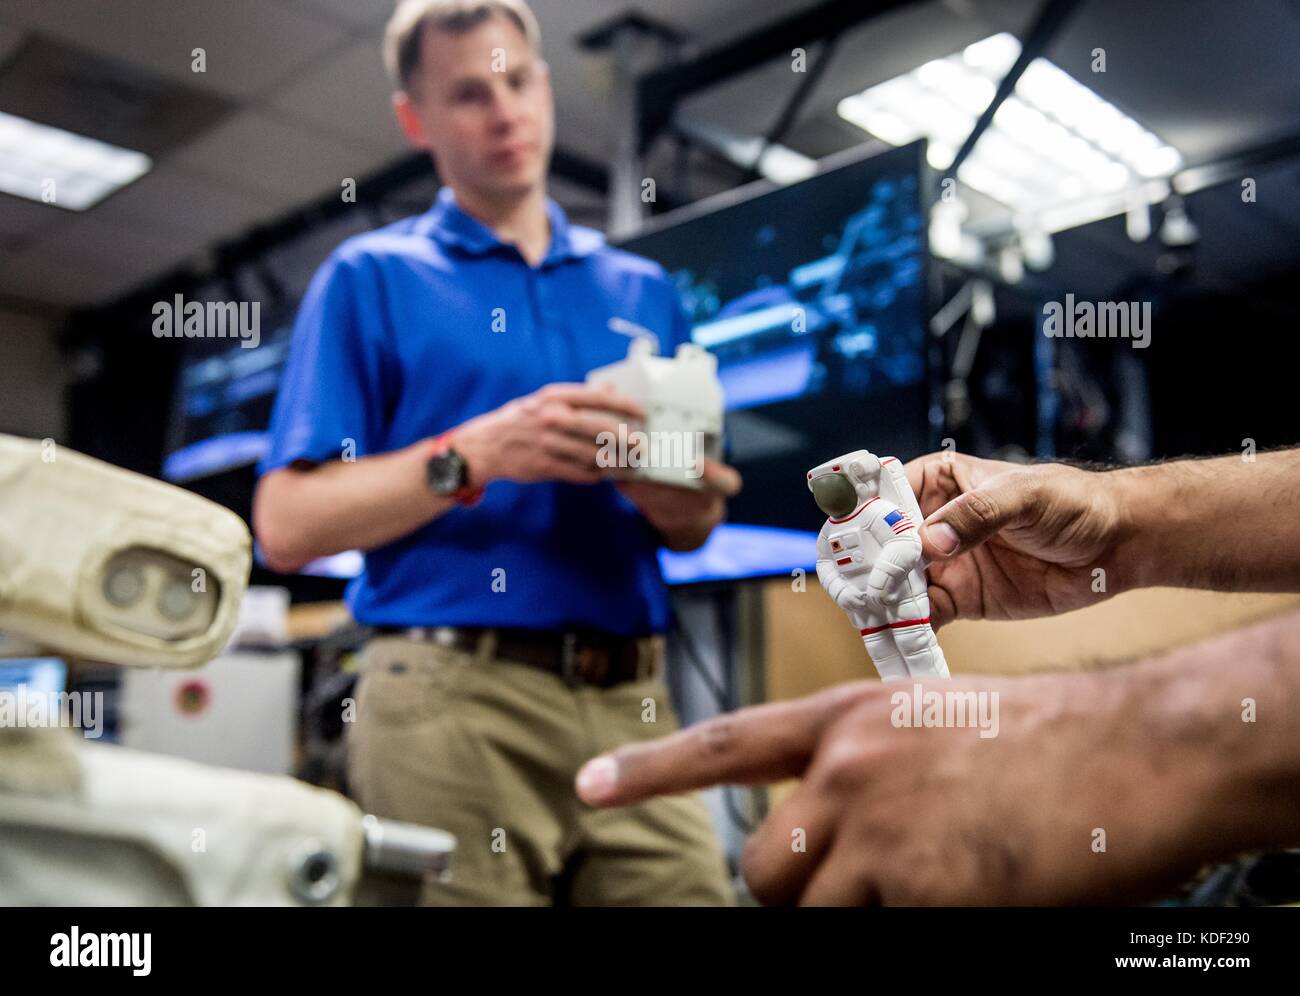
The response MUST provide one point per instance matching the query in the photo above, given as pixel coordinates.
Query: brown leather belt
(578, 657)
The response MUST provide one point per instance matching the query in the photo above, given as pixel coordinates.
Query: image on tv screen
(813, 298)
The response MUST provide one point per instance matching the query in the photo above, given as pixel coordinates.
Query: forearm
(300, 515)
(1226, 524)
(1225, 718)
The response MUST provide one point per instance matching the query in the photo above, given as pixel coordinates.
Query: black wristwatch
(447, 474)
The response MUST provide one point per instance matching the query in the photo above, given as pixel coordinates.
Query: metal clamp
(406, 848)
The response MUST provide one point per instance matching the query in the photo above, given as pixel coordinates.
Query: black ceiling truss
(790, 112)
(1051, 18)
(659, 92)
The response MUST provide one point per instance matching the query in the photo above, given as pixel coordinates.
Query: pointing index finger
(760, 744)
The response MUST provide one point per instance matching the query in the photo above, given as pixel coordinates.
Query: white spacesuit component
(682, 399)
(869, 561)
(109, 565)
(103, 564)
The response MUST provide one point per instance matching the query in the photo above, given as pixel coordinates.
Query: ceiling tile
(349, 97)
(173, 199)
(355, 11)
(20, 217)
(80, 280)
(11, 36)
(250, 45)
(260, 151)
(69, 87)
(128, 249)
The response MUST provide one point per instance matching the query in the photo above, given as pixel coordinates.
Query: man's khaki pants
(488, 749)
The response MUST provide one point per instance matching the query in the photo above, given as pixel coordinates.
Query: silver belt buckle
(442, 636)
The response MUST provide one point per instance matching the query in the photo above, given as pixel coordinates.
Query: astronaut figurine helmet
(841, 485)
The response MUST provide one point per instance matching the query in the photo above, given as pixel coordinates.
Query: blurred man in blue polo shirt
(433, 414)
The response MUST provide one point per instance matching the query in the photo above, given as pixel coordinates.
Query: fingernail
(943, 537)
(597, 779)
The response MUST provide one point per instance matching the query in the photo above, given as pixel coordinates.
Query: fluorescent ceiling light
(1053, 145)
(774, 162)
(54, 166)
(783, 165)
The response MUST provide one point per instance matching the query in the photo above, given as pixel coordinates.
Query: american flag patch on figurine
(898, 521)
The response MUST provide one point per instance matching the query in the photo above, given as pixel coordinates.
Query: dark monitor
(813, 297)
(222, 405)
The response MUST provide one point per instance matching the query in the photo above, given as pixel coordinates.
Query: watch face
(446, 472)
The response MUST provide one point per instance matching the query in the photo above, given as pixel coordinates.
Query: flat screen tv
(814, 298)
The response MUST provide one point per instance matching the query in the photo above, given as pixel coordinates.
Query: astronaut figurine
(869, 561)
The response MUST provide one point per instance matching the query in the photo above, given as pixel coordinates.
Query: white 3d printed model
(682, 398)
(100, 563)
(869, 561)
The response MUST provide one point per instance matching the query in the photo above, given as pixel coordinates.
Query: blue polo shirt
(414, 328)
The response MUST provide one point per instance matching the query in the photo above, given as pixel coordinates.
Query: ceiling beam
(1051, 17)
(659, 92)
